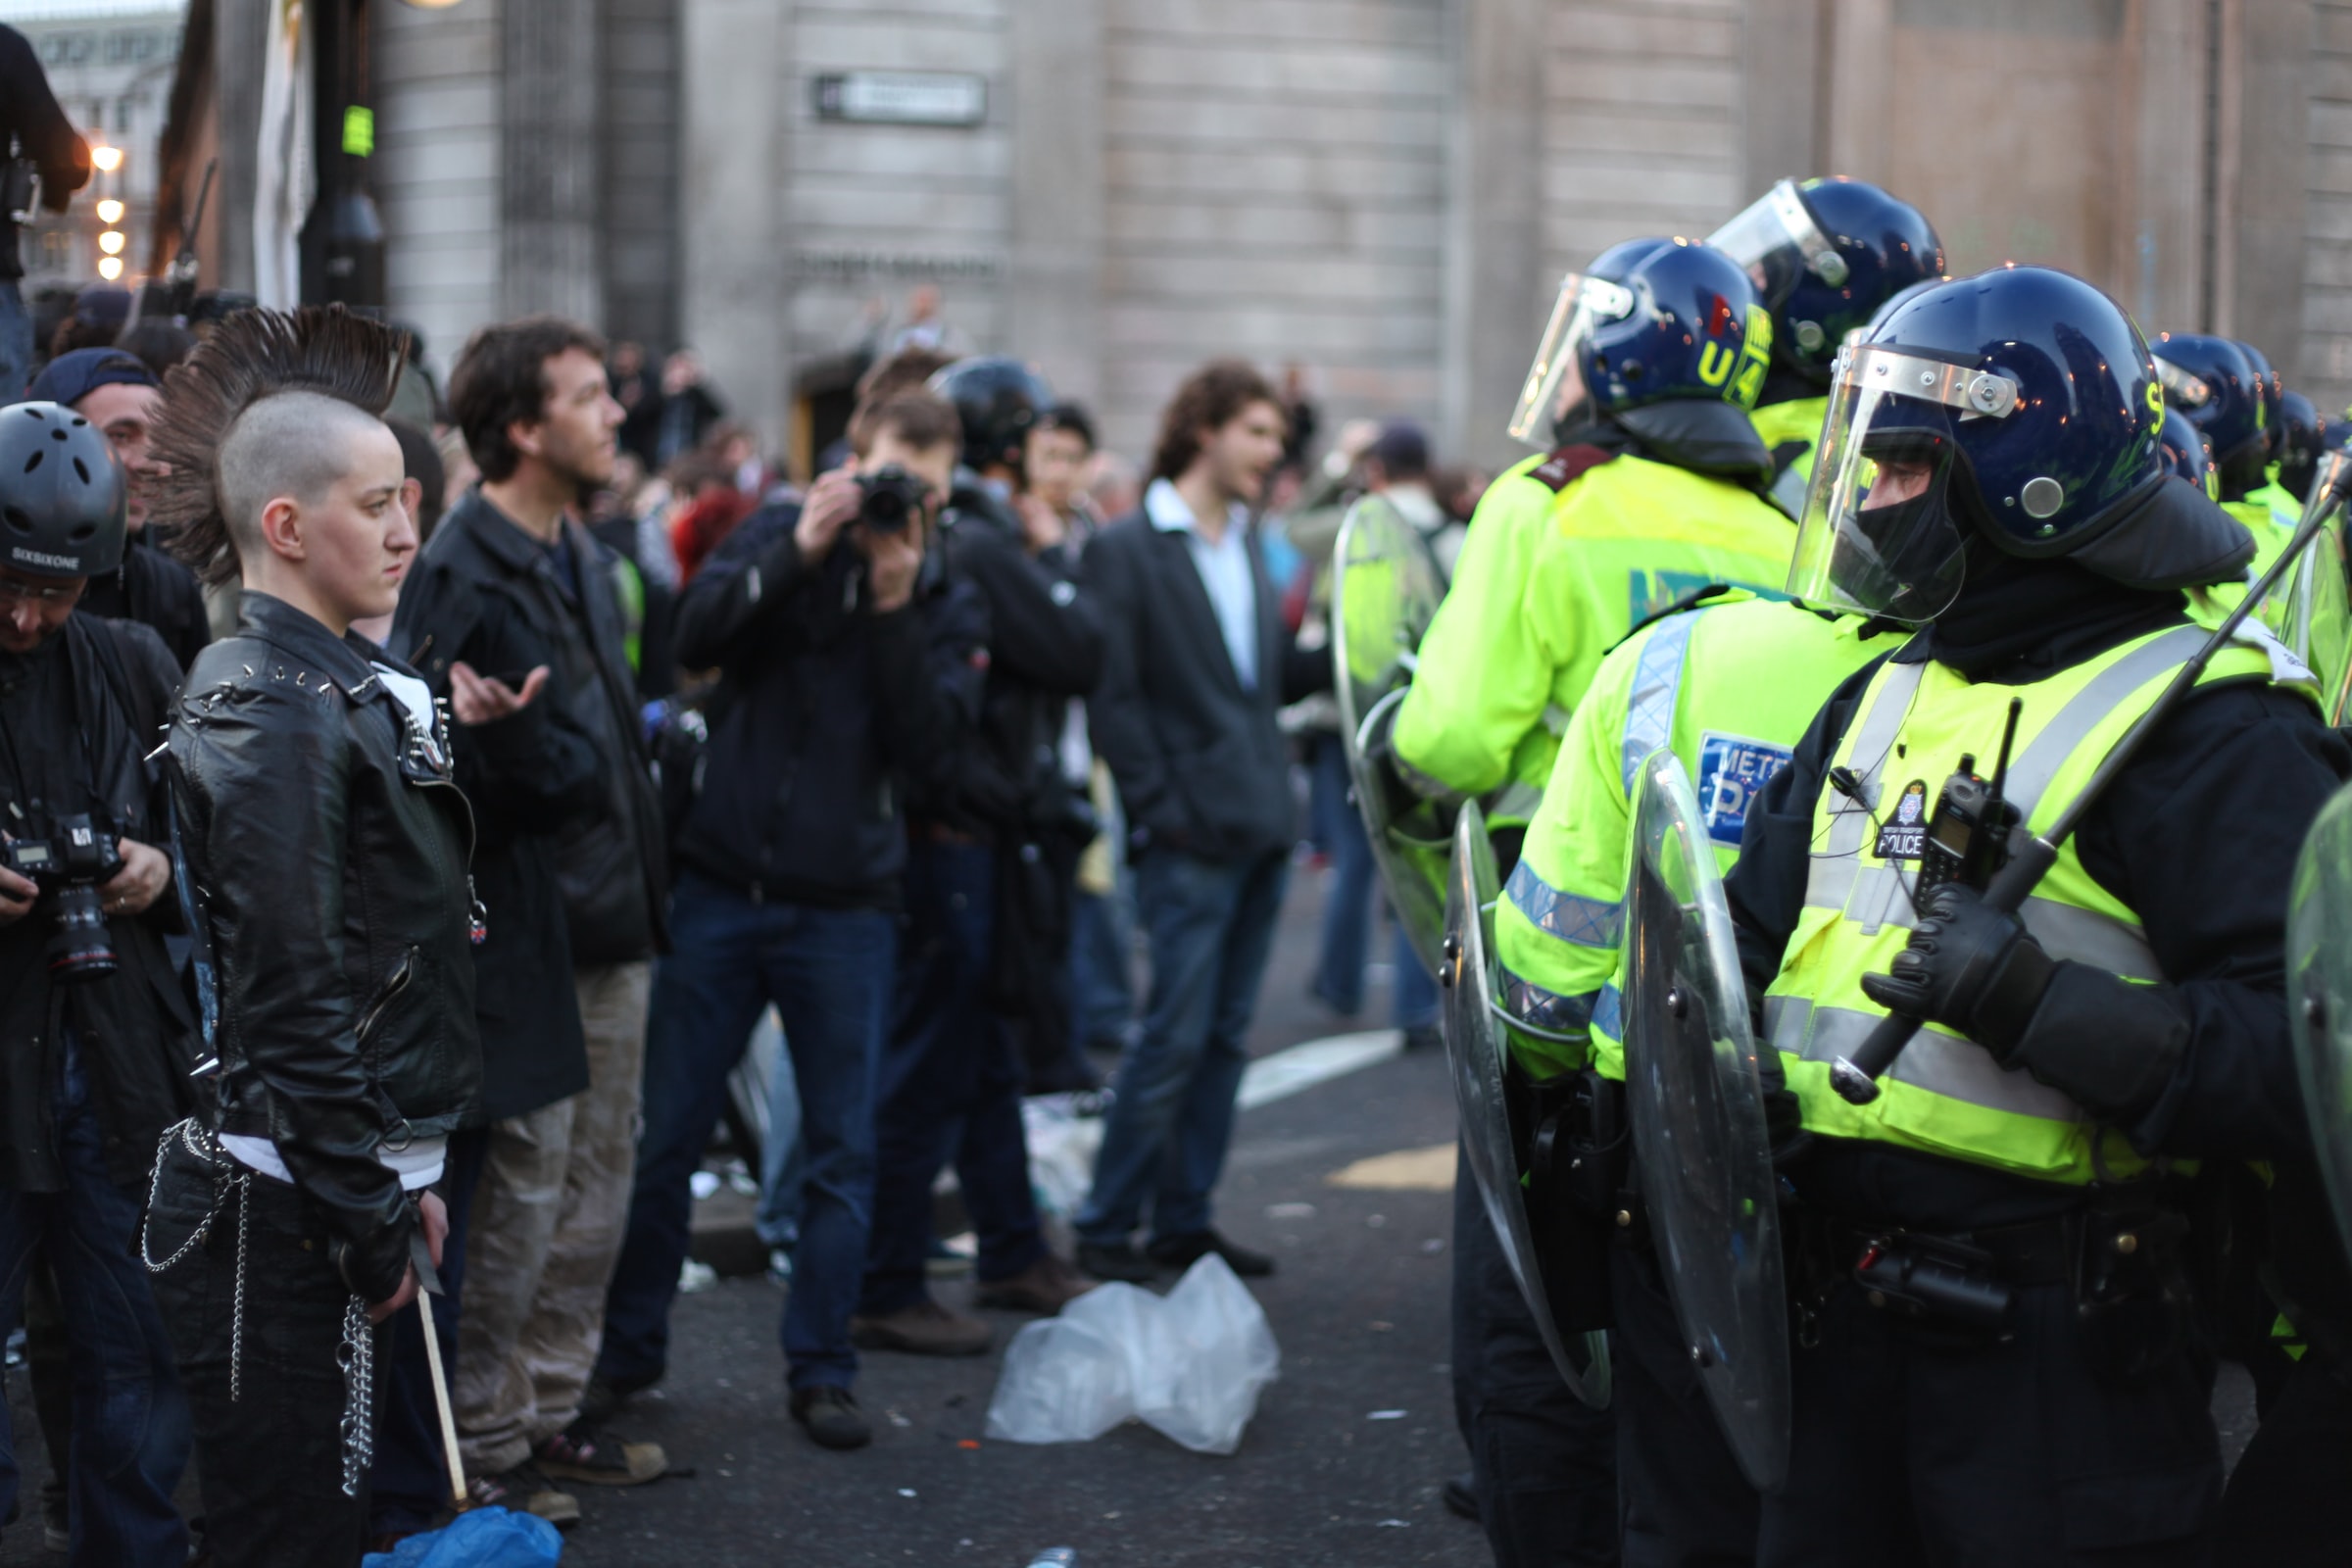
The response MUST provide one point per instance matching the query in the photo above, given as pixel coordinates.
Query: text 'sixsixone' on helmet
(1652, 320)
(63, 494)
(1825, 256)
(2016, 410)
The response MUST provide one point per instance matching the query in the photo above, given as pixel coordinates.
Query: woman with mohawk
(323, 849)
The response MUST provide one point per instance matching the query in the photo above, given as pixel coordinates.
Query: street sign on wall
(903, 97)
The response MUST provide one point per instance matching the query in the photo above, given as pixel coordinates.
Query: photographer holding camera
(849, 671)
(99, 1040)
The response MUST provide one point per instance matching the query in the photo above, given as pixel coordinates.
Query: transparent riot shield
(1384, 591)
(1496, 1116)
(2319, 948)
(1696, 1106)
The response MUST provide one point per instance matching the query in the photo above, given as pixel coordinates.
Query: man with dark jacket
(119, 394)
(845, 679)
(515, 597)
(99, 1041)
(323, 844)
(43, 140)
(990, 862)
(1199, 662)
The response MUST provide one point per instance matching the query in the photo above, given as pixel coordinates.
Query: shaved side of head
(294, 445)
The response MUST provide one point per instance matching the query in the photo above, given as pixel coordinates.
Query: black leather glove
(1783, 1112)
(1969, 967)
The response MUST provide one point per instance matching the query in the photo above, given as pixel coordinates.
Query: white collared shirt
(1224, 568)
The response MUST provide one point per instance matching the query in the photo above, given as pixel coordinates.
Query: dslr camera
(889, 499)
(69, 868)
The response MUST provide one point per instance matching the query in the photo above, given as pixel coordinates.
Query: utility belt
(1579, 1178)
(2123, 1258)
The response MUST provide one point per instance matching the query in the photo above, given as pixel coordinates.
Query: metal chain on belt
(357, 1356)
(205, 1144)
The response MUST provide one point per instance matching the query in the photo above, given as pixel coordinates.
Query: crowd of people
(524, 753)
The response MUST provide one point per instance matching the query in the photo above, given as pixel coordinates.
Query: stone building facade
(1381, 191)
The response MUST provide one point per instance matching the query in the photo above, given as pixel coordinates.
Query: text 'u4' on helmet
(61, 493)
(998, 399)
(1652, 320)
(2019, 410)
(1825, 256)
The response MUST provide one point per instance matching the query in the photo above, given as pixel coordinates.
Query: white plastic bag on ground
(1189, 1365)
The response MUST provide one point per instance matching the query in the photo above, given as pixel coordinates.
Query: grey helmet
(63, 493)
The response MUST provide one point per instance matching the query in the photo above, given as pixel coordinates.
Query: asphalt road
(1340, 1465)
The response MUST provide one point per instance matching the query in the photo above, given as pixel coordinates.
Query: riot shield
(1496, 1120)
(1696, 1106)
(1384, 591)
(2318, 948)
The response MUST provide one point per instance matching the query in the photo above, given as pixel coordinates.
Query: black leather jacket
(326, 845)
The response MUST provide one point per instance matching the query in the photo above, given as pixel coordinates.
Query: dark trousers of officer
(1687, 1503)
(1545, 1462)
(1909, 1450)
(2287, 1506)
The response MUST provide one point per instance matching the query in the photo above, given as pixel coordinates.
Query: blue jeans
(828, 973)
(1347, 896)
(15, 342)
(781, 1168)
(1212, 926)
(951, 1087)
(131, 1428)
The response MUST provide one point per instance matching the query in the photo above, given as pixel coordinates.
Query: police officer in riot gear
(1993, 1352)
(1825, 255)
(2305, 435)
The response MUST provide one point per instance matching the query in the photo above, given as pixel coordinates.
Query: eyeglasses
(14, 591)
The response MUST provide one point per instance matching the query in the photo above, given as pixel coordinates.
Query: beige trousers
(547, 1220)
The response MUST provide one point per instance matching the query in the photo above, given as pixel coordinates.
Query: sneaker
(57, 1517)
(944, 1262)
(581, 1452)
(1183, 1252)
(524, 1489)
(831, 1416)
(1044, 1287)
(924, 1329)
(605, 1395)
(1116, 1261)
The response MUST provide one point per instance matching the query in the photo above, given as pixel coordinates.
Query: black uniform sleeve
(28, 108)
(743, 596)
(270, 796)
(1045, 629)
(2199, 836)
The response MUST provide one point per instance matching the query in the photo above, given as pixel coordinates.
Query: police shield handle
(2030, 855)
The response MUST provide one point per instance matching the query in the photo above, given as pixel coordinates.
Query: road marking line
(1405, 1170)
(1302, 1067)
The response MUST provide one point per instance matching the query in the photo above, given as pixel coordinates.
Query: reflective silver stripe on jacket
(1938, 1064)
(1586, 922)
(1515, 802)
(1547, 1011)
(1657, 683)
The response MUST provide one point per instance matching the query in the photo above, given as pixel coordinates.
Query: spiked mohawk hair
(253, 355)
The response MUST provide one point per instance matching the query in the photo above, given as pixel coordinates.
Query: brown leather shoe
(924, 1329)
(1044, 1287)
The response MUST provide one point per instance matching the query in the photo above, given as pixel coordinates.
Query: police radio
(1967, 840)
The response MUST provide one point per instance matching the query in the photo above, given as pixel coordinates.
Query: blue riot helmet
(1651, 322)
(2305, 435)
(1825, 256)
(2017, 411)
(2185, 454)
(2210, 380)
(998, 399)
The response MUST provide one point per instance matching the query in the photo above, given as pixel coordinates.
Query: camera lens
(82, 948)
(885, 509)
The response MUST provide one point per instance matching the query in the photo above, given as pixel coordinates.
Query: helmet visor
(1880, 535)
(1777, 240)
(1555, 384)
(2183, 390)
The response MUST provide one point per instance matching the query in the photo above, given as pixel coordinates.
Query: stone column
(2263, 247)
(735, 57)
(240, 31)
(1786, 92)
(1054, 283)
(2161, 250)
(550, 257)
(1496, 291)
(1860, 86)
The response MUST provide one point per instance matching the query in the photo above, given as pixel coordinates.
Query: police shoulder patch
(1733, 769)
(1568, 464)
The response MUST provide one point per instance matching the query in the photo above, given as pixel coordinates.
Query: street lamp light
(107, 159)
(111, 242)
(110, 267)
(110, 210)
